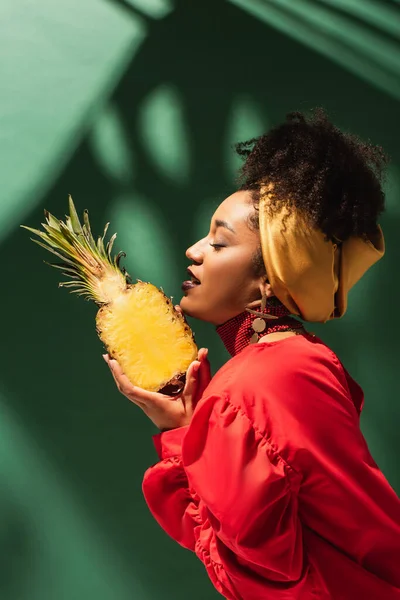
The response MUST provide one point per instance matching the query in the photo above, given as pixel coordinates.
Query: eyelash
(217, 247)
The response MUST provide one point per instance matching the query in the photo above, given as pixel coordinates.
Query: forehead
(235, 209)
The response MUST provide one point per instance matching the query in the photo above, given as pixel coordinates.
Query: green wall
(131, 106)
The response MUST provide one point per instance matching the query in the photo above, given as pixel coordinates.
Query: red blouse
(272, 484)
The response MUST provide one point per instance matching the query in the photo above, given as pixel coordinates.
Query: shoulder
(280, 386)
(263, 368)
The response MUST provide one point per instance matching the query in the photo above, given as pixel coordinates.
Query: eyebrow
(225, 224)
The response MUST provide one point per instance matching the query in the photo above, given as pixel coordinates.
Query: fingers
(191, 375)
(189, 390)
(118, 375)
(122, 382)
(203, 353)
(198, 377)
(134, 393)
(180, 311)
(204, 375)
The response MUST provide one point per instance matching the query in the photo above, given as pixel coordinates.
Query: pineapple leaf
(87, 230)
(117, 259)
(70, 284)
(70, 262)
(76, 225)
(100, 243)
(105, 230)
(74, 245)
(84, 261)
(62, 240)
(57, 236)
(100, 247)
(35, 231)
(110, 245)
(68, 223)
(91, 244)
(49, 239)
(52, 221)
(75, 271)
(66, 233)
(51, 243)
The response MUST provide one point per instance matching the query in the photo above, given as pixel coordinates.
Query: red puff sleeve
(232, 499)
(166, 490)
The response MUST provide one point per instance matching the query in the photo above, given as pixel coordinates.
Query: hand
(167, 412)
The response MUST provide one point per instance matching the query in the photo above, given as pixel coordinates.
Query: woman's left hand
(167, 412)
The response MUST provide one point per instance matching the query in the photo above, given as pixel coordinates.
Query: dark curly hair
(333, 177)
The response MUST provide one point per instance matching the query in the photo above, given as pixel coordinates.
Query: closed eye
(217, 247)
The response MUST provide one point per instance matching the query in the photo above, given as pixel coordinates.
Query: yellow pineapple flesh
(147, 336)
(137, 323)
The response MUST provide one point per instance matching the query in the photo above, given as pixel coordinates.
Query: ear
(265, 288)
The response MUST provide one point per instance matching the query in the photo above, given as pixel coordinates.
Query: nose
(194, 253)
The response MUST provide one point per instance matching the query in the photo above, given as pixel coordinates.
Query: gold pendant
(254, 338)
(259, 325)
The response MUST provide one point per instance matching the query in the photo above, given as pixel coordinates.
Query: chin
(190, 311)
(185, 306)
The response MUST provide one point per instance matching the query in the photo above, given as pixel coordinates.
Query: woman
(264, 472)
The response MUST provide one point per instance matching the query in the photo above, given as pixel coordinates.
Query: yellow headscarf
(311, 276)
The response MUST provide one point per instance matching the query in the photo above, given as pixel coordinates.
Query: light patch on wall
(63, 63)
(156, 9)
(392, 189)
(164, 134)
(143, 235)
(374, 12)
(54, 539)
(111, 147)
(368, 54)
(244, 122)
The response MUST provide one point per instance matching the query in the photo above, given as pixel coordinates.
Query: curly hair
(333, 177)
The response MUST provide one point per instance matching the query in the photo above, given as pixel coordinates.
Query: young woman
(264, 472)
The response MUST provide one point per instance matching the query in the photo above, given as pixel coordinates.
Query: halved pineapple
(137, 323)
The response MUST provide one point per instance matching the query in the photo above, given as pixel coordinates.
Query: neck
(248, 327)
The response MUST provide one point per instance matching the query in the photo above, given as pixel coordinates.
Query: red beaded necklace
(249, 326)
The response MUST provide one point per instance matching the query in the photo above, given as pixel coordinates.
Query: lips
(193, 277)
(192, 282)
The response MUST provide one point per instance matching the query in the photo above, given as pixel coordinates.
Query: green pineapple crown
(94, 272)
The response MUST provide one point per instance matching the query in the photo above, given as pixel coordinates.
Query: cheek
(219, 272)
(229, 279)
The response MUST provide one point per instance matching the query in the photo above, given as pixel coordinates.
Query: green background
(132, 107)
